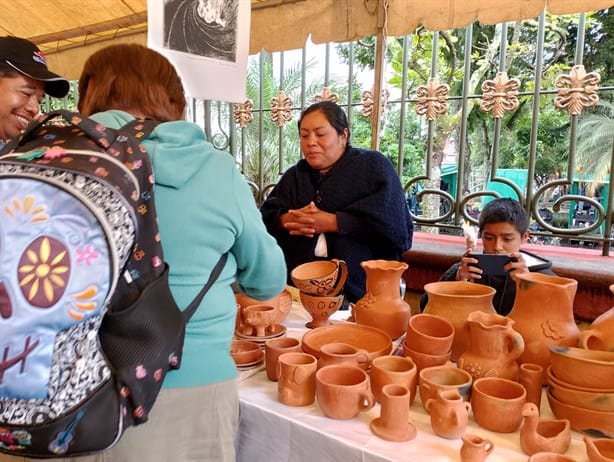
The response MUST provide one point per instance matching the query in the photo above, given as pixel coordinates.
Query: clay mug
(343, 353)
(531, 377)
(389, 369)
(274, 348)
(449, 414)
(320, 277)
(497, 404)
(429, 333)
(296, 383)
(258, 318)
(343, 391)
(475, 448)
(393, 423)
(447, 377)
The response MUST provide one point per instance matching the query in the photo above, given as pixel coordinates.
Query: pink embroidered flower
(141, 372)
(87, 255)
(55, 152)
(137, 164)
(156, 261)
(158, 375)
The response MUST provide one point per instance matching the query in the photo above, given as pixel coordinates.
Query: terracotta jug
(454, 300)
(449, 414)
(543, 314)
(475, 448)
(393, 423)
(382, 305)
(493, 346)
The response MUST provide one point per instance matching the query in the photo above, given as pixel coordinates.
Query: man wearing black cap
(24, 78)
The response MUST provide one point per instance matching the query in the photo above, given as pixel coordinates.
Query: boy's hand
(517, 265)
(467, 271)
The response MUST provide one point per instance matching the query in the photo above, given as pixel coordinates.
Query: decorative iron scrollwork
(366, 99)
(244, 113)
(326, 95)
(500, 95)
(582, 91)
(432, 98)
(281, 109)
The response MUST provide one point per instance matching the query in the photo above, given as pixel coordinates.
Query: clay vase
(599, 449)
(449, 414)
(493, 346)
(454, 300)
(475, 448)
(393, 423)
(382, 305)
(543, 314)
(531, 377)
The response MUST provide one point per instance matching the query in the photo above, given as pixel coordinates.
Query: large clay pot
(454, 300)
(382, 305)
(543, 314)
(493, 346)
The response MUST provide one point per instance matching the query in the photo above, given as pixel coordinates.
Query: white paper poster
(207, 41)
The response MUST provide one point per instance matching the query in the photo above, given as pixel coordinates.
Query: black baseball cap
(25, 57)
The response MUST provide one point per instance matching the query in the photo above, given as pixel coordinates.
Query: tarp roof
(70, 30)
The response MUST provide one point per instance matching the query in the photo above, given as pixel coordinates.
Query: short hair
(333, 113)
(131, 77)
(504, 210)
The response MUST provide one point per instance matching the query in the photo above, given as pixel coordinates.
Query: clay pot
(343, 391)
(393, 423)
(429, 333)
(432, 380)
(497, 404)
(382, 305)
(343, 353)
(543, 314)
(493, 346)
(245, 352)
(539, 435)
(320, 277)
(475, 448)
(258, 319)
(282, 303)
(390, 369)
(583, 368)
(599, 335)
(599, 449)
(454, 300)
(424, 360)
(550, 457)
(449, 414)
(296, 383)
(531, 377)
(274, 348)
(320, 307)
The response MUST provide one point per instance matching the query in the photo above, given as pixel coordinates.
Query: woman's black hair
(504, 210)
(333, 113)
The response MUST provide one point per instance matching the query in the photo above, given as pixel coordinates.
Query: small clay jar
(475, 448)
(449, 414)
(393, 423)
(343, 353)
(393, 369)
(531, 377)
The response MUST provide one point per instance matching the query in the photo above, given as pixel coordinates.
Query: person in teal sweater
(205, 208)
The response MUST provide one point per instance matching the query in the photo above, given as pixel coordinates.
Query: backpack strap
(215, 273)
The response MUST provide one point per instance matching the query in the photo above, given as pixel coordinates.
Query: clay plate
(595, 423)
(375, 341)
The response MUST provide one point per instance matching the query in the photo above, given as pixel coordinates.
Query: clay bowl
(282, 303)
(599, 449)
(316, 277)
(588, 398)
(429, 333)
(446, 377)
(245, 352)
(320, 308)
(497, 404)
(583, 420)
(583, 368)
(423, 360)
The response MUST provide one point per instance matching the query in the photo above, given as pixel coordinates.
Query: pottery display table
(271, 431)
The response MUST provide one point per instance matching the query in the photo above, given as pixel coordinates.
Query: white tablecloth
(270, 431)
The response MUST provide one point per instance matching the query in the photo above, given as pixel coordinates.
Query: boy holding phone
(504, 227)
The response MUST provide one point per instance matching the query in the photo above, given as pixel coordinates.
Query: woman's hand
(309, 221)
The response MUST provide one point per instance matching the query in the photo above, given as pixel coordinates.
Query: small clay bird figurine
(536, 435)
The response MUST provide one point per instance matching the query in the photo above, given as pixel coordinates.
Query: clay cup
(390, 369)
(343, 391)
(497, 404)
(430, 334)
(274, 348)
(434, 379)
(320, 277)
(343, 353)
(296, 383)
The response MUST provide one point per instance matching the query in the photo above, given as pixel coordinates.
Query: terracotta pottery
(582, 419)
(449, 414)
(599, 449)
(497, 404)
(382, 305)
(320, 307)
(599, 335)
(583, 368)
(343, 391)
(393, 369)
(282, 303)
(297, 381)
(393, 423)
(274, 348)
(423, 360)
(258, 319)
(429, 333)
(454, 300)
(550, 457)
(475, 448)
(343, 353)
(432, 380)
(531, 377)
(245, 352)
(588, 398)
(320, 277)
(493, 346)
(539, 435)
(543, 314)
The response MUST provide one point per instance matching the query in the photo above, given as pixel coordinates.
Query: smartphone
(491, 264)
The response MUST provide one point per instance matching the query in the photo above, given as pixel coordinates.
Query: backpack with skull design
(88, 326)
